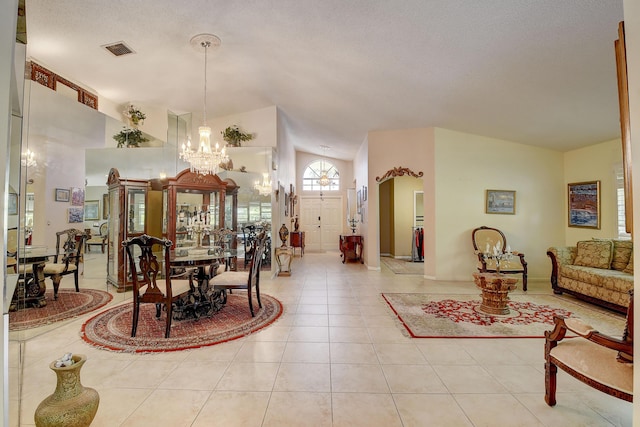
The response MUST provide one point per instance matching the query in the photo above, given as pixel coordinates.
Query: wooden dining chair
(69, 251)
(152, 279)
(229, 280)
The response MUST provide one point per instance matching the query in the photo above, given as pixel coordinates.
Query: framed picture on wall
(75, 215)
(91, 210)
(359, 202)
(62, 194)
(77, 196)
(105, 206)
(13, 204)
(500, 202)
(584, 204)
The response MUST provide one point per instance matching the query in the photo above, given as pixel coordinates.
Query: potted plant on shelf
(130, 137)
(234, 136)
(135, 115)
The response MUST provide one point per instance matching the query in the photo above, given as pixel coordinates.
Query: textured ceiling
(536, 72)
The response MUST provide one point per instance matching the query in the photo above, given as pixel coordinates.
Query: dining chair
(69, 246)
(229, 280)
(152, 279)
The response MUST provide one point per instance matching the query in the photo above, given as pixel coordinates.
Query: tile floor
(336, 357)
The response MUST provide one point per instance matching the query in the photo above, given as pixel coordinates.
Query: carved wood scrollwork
(399, 171)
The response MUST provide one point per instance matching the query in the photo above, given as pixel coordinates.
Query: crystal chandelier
(324, 179)
(204, 160)
(264, 188)
(28, 159)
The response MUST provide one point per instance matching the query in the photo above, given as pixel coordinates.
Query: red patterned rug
(111, 329)
(458, 316)
(69, 304)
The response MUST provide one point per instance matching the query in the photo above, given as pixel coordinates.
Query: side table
(284, 255)
(351, 247)
(495, 291)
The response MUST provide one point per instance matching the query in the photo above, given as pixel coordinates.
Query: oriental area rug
(68, 305)
(111, 329)
(458, 316)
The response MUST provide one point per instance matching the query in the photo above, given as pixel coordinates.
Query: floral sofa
(599, 271)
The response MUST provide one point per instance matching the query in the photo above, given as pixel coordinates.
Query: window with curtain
(321, 175)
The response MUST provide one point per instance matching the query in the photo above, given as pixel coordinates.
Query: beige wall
(466, 166)
(594, 163)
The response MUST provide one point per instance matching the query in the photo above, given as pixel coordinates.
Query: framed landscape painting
(584, 204)
(91, 210)
(500, 202)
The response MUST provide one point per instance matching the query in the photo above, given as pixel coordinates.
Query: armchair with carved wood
(69, 245)
(484, 240)
(600, 361)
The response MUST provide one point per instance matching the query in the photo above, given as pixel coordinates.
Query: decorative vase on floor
(71, 404)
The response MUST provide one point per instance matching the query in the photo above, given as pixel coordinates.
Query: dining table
(30, 289)
(203, 264)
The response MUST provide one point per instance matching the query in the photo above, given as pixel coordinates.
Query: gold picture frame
(500, 202)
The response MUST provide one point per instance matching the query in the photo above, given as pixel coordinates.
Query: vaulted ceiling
(533, 72)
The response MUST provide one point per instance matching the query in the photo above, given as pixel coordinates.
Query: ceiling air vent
(118, 49)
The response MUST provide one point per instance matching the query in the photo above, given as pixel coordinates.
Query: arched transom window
(321, 175)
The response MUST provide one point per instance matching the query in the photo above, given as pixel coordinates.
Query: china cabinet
(128, 217)
(194, 205)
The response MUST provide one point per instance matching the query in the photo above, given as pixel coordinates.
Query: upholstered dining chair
(12, 249)
(69, 245)
(229, 280)
(98, 240)
(600, 361)
(152, 279)
(484, 238)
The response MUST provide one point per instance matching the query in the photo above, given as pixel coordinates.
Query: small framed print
(62, 194)
(75, 215)
(91, 210)
(364, 193)
(500, 202)
(77, 196)
(12, 209)
(584, 204)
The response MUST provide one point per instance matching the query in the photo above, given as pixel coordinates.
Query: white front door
(321, 220)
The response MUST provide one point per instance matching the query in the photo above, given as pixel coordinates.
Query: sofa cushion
(629, 267)
(594, 253)
(621, 253)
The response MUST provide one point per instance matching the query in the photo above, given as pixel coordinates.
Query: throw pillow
(621, 253)
(629, 267)
(594, 253)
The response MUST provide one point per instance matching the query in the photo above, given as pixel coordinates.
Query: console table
(297, 241)
(351, 247)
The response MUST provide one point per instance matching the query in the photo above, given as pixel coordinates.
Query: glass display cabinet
(127, 218)
(194, 205)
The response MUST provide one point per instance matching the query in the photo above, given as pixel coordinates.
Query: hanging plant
(130, 137)
(134, 115)
(234, 136)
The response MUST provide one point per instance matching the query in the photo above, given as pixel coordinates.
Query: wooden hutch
(162, 208)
